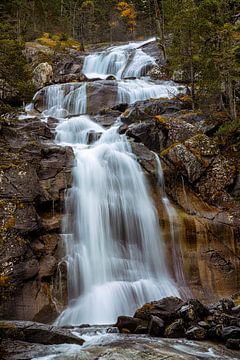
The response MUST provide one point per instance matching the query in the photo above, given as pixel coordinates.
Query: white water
(123, 62)
(114, 247)
(120, 61)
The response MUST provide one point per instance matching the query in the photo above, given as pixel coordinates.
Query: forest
(200, 39)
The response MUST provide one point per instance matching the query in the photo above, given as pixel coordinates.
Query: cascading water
(122, 62)
(114, 247)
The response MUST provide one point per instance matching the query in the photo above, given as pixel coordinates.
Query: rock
(187, 163)
(231, 332)
(48, 265)
(38, 333)
(145, 157)
(156, 326)
(193, 310)
(42, 75)
(145, 110)
(100, 95)
(222, 306)
(149, 133)
(233, 344)
(203, 324)
(165, 309)
(30, 216)
(156, 73)
(218, 177)
(152, 49)
(127, 323)
(175, 329)
(196, 333)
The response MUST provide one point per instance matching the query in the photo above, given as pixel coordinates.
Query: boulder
(127, 323)
(193, 310)
(156, 326)
(219, 176)
(233, 344)
(150, 133)
(42, 75)
(231, 332)
(175, 329)
(166, 309)
(188, 164)
(196, 333)
(38, 333)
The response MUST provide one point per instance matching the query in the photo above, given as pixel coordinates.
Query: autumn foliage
(127, 12)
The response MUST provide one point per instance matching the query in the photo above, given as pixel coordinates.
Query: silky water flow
(114, 248)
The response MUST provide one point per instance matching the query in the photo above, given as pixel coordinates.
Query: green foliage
(15, 74)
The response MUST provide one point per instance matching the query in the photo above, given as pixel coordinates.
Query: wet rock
(193, 310)
(165, 309)
(175, 329)
(38, 333)
(231, 332)
(156, 326)
(233, 344)
(154, 50)
(196, 333)
(127, 323)
(42, 75)
(145, 158)
(100, 95)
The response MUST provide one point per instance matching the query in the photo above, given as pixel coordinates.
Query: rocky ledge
(171, 317)
(34, 173)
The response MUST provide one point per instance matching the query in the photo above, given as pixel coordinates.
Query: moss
(166, 151)
(59, 41)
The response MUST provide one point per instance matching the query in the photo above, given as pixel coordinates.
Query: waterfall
(62, 100)
(120, 61)
(114, 248)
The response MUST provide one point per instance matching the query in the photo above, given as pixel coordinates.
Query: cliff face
(34, 174)
(202, 182)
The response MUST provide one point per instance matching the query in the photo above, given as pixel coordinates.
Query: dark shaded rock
(231, 332)
(223, 305)
(193, 310)
(165, 309)
(175, 330)
(233, 344)
(215, 332)
(196, 333)
(93, 136)
(145, 157)
(203, 324)
(151, 134)
(38, 333)
(156, 326)
(127, 323)
(141, 329)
